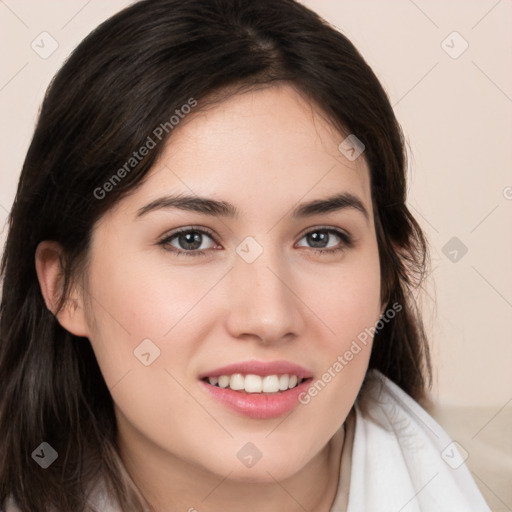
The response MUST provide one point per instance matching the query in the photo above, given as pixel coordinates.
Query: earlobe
(48, 261)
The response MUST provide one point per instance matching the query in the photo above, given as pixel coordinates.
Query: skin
(265, 151)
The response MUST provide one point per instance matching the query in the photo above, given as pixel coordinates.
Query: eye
(188, 241)
(321, 238)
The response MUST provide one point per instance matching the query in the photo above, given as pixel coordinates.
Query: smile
(256, 383)
(258, 390)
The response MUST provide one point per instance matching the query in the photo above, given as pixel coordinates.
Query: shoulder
(403, 459)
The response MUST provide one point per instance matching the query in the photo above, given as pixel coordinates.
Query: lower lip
(258, 405)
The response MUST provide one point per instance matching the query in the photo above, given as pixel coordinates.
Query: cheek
(148, 314)
(145, 295)
(347, 298)
(133, 302)
(350, 307)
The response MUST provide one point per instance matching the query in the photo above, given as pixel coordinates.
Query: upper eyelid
(324, 228)
(177, 231)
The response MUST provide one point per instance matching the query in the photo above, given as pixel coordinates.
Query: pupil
(191, 240)
(318, 238)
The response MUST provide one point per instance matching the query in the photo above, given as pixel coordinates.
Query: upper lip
(261, 368)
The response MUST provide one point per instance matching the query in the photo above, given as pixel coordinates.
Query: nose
(263, 303)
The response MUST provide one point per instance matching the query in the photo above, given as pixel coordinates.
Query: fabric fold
(402, 459)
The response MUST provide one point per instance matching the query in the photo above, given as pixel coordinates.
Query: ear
(48, 260)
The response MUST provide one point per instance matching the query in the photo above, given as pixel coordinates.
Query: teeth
(256, 384)
(223, 381)
(271, 384)
(253, 384)
(237, 382)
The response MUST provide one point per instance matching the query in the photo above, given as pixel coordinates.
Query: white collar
(402, 460)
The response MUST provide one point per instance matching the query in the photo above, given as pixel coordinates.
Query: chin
(250, 464)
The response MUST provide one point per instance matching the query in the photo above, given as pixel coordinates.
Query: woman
(207, 279)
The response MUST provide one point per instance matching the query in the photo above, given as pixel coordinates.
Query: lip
(258, 405)
(261, 368)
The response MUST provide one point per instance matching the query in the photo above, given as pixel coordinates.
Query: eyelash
(346, 240)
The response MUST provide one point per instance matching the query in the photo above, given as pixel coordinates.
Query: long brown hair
(125, 79)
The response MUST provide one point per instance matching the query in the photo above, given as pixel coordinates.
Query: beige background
(457, 117)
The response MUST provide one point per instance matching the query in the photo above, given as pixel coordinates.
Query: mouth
(251, 383)
(257, 390)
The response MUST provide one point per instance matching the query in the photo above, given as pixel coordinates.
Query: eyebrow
(213, 207)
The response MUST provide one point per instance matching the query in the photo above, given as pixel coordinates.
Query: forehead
(265, 147)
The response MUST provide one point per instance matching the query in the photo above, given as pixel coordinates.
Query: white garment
(402, 460)
(397, 462)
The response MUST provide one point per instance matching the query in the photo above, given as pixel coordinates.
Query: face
(274, 289)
